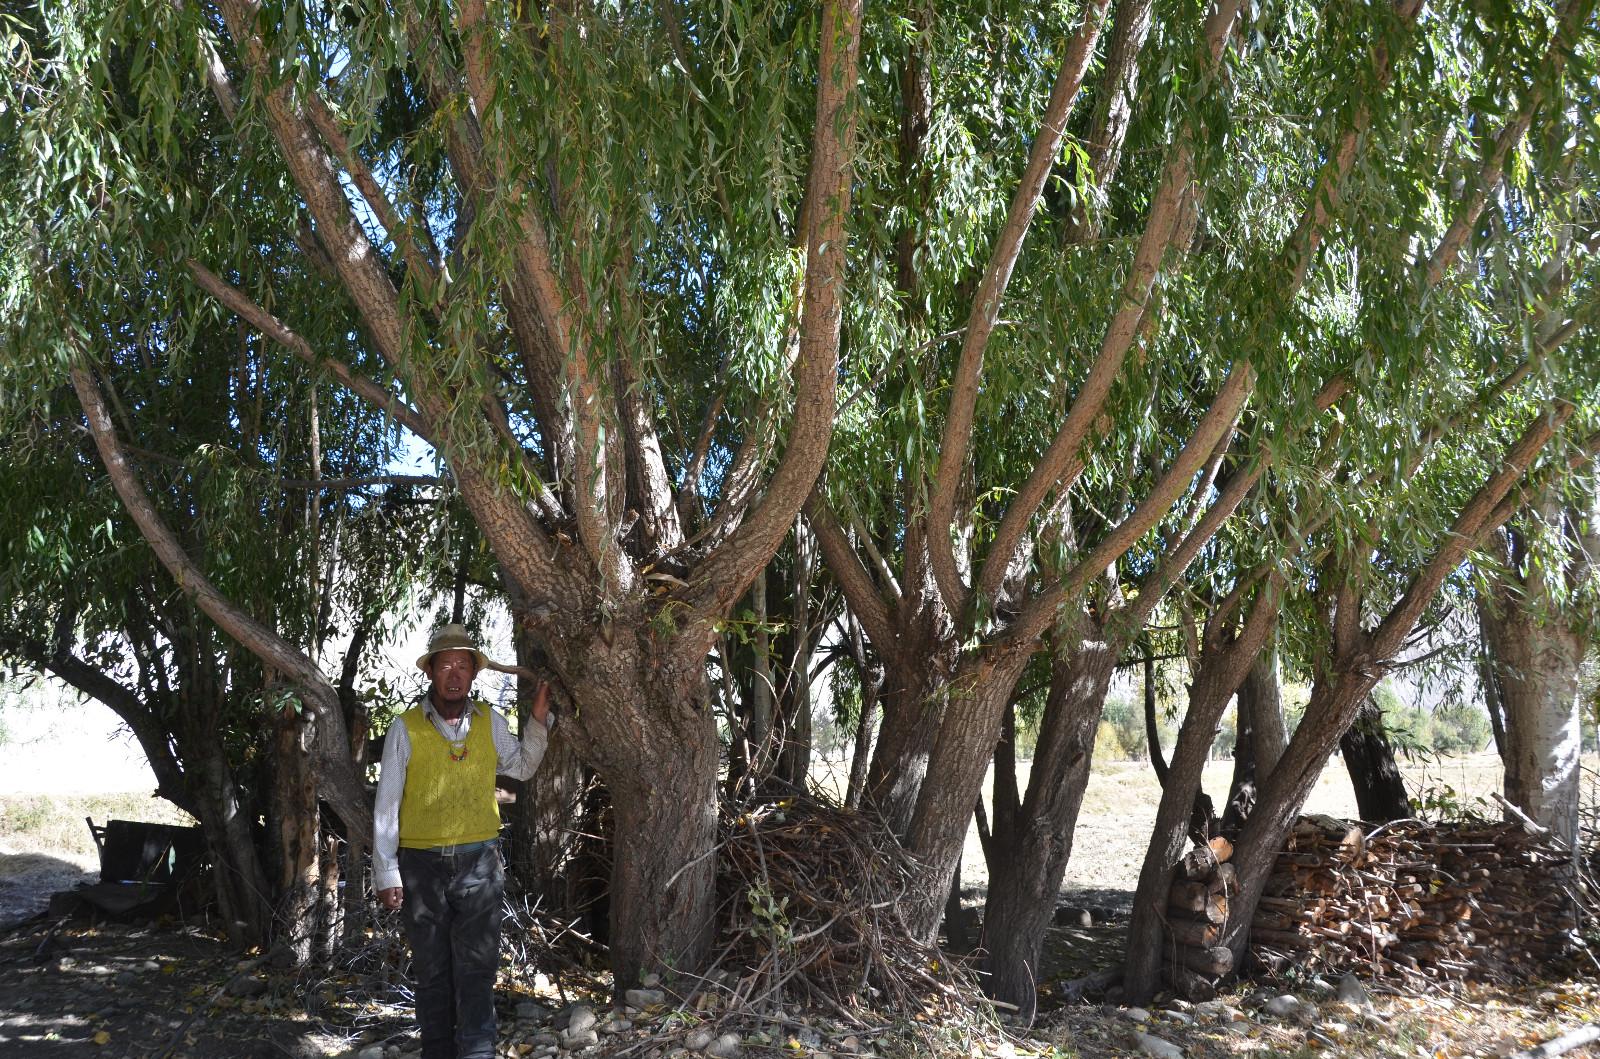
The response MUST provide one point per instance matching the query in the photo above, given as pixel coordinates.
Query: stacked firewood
(1197, 910)
(1444, 901)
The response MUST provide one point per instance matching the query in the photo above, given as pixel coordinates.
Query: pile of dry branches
(1477, 899)
(810, 898)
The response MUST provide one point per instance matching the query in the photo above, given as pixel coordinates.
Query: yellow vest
(448, 802)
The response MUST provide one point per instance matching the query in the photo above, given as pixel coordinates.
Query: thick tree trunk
(1032, 853)
(911, 709)
(663, 883)
(1374, 772)
(657, 751)
(1537, 660)
(1536, 649)
(960, 757)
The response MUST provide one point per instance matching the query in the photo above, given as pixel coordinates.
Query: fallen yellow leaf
(102, 1037)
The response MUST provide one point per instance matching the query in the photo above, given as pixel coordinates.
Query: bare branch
(369, 390)
(722, 575)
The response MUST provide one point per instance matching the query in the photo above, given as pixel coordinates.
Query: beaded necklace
(458, 747)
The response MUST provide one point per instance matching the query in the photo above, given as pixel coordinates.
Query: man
(436, 848)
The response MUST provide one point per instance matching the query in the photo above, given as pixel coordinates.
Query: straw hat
(454, 637)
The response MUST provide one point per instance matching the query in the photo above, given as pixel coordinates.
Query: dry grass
(54, 823)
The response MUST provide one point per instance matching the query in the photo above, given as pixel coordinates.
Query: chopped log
(1214, 961)
(1221, 848)
(1194, 932)
(1199, 863)
(1189, 985)
(1225, 880)
(1188, 895)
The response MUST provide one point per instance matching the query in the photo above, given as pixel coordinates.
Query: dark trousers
(452, 913)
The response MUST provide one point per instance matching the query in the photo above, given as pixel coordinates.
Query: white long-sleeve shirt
(517, 758)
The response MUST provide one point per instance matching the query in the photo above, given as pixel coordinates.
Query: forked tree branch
(991, 291)
(1063, 460)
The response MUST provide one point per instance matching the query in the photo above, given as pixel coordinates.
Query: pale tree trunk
(545, 819)
(1031, 852)
(1537, 656)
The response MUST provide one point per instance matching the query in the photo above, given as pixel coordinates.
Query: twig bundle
(811, 898)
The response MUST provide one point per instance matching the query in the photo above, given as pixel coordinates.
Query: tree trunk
(1335, 700)
(870, 676)
(1032, 854)
(294, 819)
(242, 892)
(1537, 646)
(960, 757)
(1489, 681)
(1374, 773)
(905, 739)
(1222, 669)
(658, 754)
(1259, 740)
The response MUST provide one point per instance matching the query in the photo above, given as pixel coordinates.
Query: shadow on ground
(115, 991)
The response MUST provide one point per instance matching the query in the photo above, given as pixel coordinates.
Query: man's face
(452, 673)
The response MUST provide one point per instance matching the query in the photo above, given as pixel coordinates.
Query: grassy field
(54, 823)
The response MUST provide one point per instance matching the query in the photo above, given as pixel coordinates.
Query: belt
(465, 847)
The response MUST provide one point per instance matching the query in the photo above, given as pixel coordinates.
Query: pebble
(533, 1011)
(651, 980)
(574, 1040)
(700, 1039)
(1136, 1014)
(1157, 1047)
(850, 1044)
(1351, 991)
(1215, 1010)
(727, 1046)
(617, 1026)
(371, 1051)
(1182, 1018)
(644, 998)
(582, 1019)
(1286, 1006)
(125, 979)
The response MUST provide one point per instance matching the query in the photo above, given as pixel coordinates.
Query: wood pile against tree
(811, 897)
(1197, 910)
(1473, 899)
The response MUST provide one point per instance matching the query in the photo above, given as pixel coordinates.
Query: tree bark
(1032, 852)
(294, 826)
(1537, 652)
(1374, 773)
(1222, 669)
(960, 757)
(1260, 739)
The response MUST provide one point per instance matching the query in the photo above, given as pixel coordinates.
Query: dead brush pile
(810, 898)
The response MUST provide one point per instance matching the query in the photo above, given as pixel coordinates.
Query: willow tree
(87, 603)
(524, 220)
(1104, 410)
